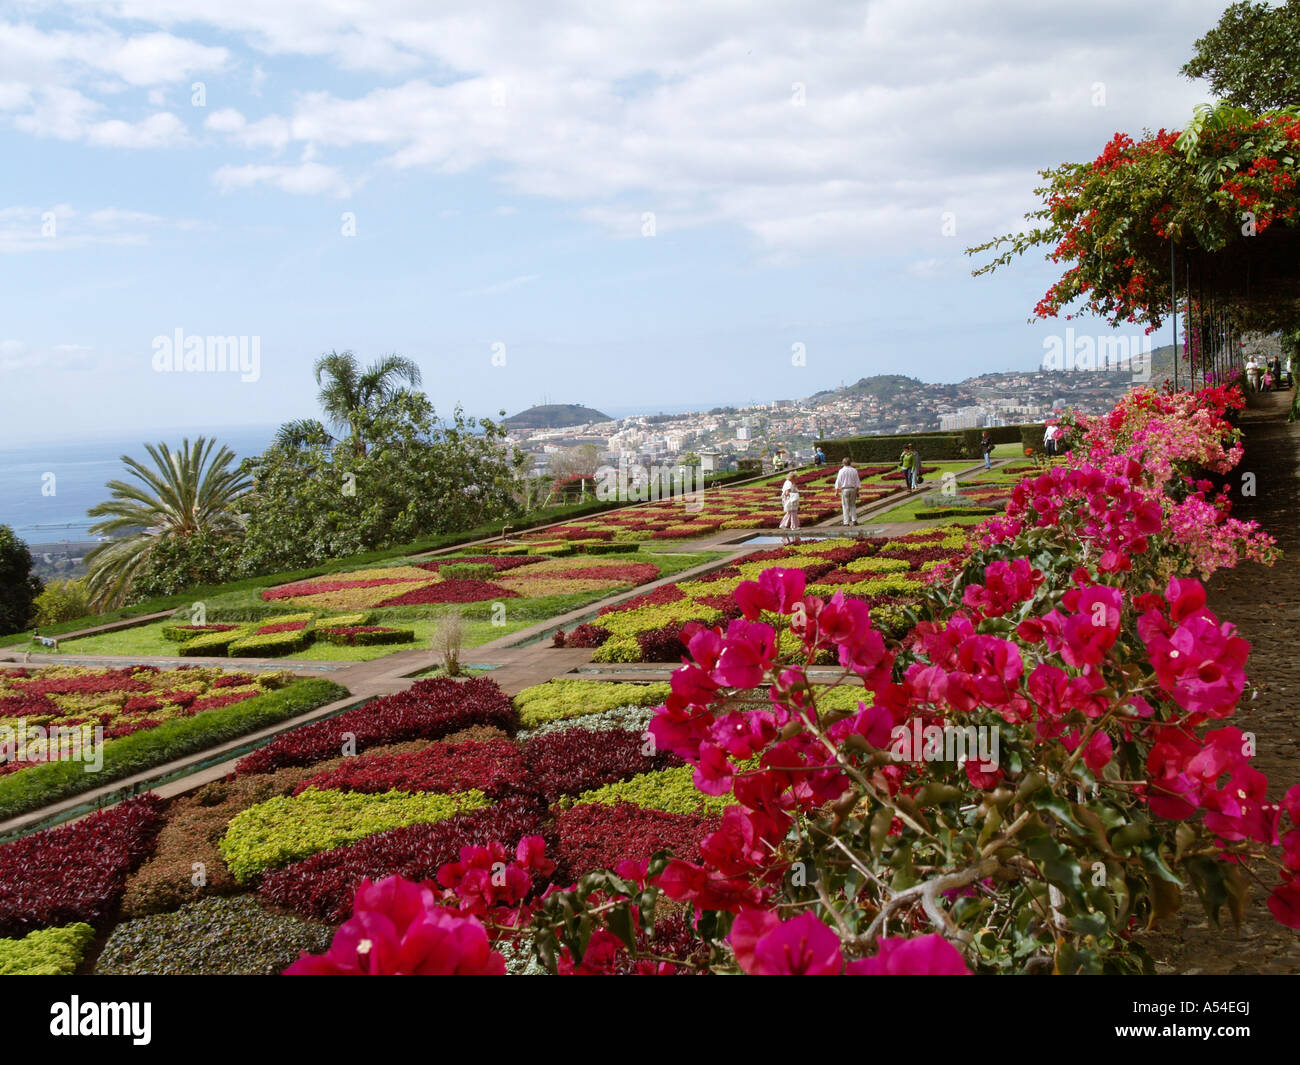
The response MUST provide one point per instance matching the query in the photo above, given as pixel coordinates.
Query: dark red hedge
(75, 872)
(428, 709)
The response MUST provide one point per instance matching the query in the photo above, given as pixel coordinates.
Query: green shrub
(62, 601)
(183, 632)
(285, 829)
(47, 782)
(554, 550)
(342, 637)
(672, 790)
(270, 644)
(1031, 437)
(955, 512)
(516, 549)
(878, 565)
(601, 547)
(466, 571)
(214, 643)
(46, 952)
(340, 620)
(618, 649)
(559, 699)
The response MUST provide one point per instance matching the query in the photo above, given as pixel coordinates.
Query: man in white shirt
(1049, 440)
(847, 483)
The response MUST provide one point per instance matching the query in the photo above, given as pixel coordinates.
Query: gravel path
(1265, 606)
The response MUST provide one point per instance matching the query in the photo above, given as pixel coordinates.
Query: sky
(647, 204)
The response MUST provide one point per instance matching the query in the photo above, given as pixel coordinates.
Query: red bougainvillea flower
(1284, 903)
(930, 955)
(397, 928)
(803, 946)
(1202, 665)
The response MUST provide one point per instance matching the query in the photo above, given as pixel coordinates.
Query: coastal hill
(555, 416)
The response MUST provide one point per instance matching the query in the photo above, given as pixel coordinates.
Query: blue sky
(501, 159)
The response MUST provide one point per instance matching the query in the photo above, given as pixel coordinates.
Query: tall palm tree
(348, 393)
(185, 492)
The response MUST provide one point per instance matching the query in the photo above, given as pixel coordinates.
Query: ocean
(45, 489)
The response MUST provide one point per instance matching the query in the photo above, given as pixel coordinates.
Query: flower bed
(74, 873)
(363, 635)
(323, 885)
(282, 829)
(210, 937)
(601, 836)
(428, 709)
(234, 709)
(469, 579)
(495, 767)
(885, 572)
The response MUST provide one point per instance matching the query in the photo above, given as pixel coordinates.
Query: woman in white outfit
(789, 505)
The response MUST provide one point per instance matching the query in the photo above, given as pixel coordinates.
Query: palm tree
(186, 492)
(348, 393)
(303, 432)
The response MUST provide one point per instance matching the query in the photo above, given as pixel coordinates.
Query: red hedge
(428, 709)
(572, 761)
(494, 767)
(452, 591)
(76, 872)
(599, 836)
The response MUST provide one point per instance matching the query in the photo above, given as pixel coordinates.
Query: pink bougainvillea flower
(748, 651)
(398, 928)
(802, 946)
(930, 955)
(776, 590)
(1284, 903)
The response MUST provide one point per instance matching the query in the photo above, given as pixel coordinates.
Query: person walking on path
(789, 505)
(1049, 440)
(908, 461)
(847, 483)
(986, 446)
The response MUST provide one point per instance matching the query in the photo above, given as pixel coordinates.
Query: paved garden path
(1264, 604)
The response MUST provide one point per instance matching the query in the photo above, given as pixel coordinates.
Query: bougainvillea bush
(1033, 775)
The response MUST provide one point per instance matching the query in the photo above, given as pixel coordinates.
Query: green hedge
(40, 785)
(270, 644)
(1031, 436)
(336, 636)
(607, 548)
(46, 952)
(553, 550)
(466, 571)
(955, 512)
(214, 643)
(185, 632)
(949, 444)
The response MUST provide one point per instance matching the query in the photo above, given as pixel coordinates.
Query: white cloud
(63, 227)
(828, 126)
(304, 179)
(17, 355)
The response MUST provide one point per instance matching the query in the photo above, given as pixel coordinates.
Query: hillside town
(880, 405)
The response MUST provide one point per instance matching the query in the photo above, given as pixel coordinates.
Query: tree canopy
(1249, 57)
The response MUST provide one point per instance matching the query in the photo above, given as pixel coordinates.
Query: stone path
(1264, 604)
